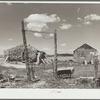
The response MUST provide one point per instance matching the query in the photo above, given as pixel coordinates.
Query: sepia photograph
(49, 46)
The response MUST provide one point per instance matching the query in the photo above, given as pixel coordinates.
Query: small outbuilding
(84, 54)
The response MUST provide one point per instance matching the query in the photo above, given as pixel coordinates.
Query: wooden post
(55, 54)
(26, 52)
(96, 69)
(32, 72)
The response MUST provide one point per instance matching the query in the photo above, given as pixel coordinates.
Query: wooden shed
(84, 54)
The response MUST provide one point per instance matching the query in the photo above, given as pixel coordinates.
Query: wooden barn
(84, 54)
(18, 53)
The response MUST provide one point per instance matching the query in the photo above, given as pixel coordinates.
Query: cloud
(38, 22)
(37, 26)
(79, 18)
(43, 18)
(63, 44)
(37, 35)
(87, 23)
(88, 19)
(65, 26)
(10, 39)
(92, 17)
(84, 21)
(51, 34)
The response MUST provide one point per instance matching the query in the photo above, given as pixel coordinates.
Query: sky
(76, 24)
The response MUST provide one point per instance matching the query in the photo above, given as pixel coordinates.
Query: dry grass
(45, 74)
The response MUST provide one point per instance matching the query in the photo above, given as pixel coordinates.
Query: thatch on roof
(18, 53)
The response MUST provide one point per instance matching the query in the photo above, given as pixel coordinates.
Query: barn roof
(85, 46)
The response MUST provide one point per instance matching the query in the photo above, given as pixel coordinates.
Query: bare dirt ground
(45, 74)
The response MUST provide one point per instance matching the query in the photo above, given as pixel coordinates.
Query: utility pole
(55, 54)
(26, 52)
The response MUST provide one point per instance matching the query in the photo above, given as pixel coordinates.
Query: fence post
(55, 54)
(26, 52)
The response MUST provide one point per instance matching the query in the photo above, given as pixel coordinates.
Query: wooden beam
(55, 54)
(26, 52)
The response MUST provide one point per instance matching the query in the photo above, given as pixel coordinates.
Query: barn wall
(83, 54)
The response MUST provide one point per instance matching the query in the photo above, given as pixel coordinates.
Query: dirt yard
(45, 74)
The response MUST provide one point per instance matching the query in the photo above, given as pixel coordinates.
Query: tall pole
(26, 51)
(55, 54)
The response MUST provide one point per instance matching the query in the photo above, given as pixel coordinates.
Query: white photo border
(47, 93)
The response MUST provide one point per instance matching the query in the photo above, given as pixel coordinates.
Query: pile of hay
(18, 53)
